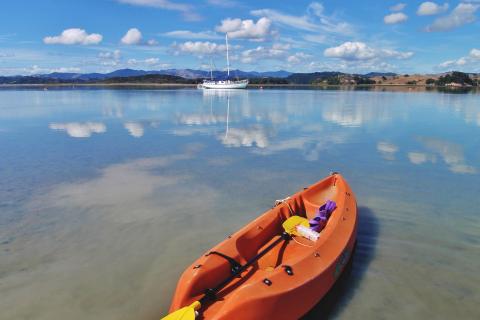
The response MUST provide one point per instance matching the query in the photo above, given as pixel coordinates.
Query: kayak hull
(266, 290)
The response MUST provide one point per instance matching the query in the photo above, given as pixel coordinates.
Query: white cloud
(74, 36)
(115, 55)
(152, 61)
(199, 48)
(162, 4)
(276, 51)
(35, 69)
(462, 61)
(450, 63)
(298, 58)
(186, 34)
(133, 36)
(135, 129)
(317, 38)
(148, 62)
(395, 18)
(463, 13)
(313, 20)
(297, 22)
(186, 10)
(475, 53)
(429, 8)
(151, 42)
(398, 7)
(360, 51)
(66, 69)
(224, 3)
(246, 29)
(388, 53)
(352, 66)
(467, 61)
(79, 130)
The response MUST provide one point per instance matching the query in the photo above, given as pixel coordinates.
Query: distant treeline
(33, 80)
(268, 80)
(315, 78)
(151, 78)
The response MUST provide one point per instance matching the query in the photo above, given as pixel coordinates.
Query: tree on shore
(455, 77)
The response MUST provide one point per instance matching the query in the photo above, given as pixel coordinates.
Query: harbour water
(107, 195)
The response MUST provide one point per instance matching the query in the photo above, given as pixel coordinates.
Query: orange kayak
(290, 277)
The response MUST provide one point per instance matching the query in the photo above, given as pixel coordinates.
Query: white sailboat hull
(228, 84)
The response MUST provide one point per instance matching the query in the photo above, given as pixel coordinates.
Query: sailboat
(224, 83)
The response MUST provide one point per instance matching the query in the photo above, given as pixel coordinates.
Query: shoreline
(153, 84)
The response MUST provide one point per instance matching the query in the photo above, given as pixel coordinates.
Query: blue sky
(302, 36)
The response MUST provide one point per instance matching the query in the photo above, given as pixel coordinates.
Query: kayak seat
(265, 229)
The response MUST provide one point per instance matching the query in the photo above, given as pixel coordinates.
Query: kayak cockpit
(288, 267)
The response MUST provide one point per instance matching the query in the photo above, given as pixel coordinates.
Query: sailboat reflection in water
(253, 135)
(226, 83)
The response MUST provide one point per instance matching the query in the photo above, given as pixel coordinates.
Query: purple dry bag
(322, 215)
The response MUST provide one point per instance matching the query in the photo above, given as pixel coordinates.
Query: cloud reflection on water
(421, 157)
(465, 105)
(135, 129)
(201, 119)
(387, 150)
(113, 226)
(79, 130)
(242, 124)
(248, 137)
(88, 235)
(119, 189)
(451, 153)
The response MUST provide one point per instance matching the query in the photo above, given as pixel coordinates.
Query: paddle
(188, 313)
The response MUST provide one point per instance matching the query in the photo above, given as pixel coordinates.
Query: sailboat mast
(211, 70)
(228, 114)
(228, 59)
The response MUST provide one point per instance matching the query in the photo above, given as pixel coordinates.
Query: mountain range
(184, 73)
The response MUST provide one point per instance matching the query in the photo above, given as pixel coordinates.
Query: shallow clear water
(107, 195)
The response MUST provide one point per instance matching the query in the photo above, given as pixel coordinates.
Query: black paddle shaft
(211, 294)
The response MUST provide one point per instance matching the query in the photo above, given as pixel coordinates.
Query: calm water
(107, 195)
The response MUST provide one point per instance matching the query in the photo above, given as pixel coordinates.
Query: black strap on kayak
(234, 265)
(211, 293)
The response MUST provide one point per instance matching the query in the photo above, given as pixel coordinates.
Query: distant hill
(309, 78)
(297, 78)
(191, 76)
(443, 79)
(97, 76)
(379, 74)
(35, 80)
(184, 73)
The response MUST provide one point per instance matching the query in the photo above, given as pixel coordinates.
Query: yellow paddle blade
(185, 313)
(291, 223)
